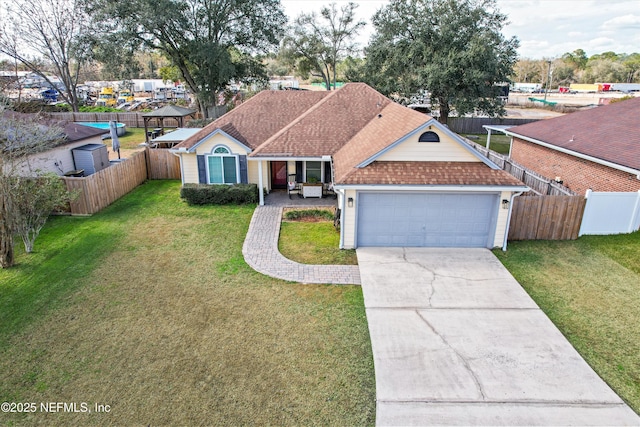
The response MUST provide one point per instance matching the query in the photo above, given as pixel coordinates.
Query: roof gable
(610, 133)
(451, 138)
(207, 138)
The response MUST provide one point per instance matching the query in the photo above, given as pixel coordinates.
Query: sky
(545, 28)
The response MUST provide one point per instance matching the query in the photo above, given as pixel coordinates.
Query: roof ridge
(313, 108)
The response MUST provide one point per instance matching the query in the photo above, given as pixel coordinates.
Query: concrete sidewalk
(457, 341)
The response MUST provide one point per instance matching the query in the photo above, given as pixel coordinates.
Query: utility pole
(548, 81)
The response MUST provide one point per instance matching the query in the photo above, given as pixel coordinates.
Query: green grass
(150, 308)
(313, 243)
(590, 288)
(132, 138)
(499, 143)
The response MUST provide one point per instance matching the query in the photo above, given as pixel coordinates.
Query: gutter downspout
(342, 198)
(506, 232)
(178, 154)
(260, 185)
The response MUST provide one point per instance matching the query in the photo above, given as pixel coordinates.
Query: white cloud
(545, 28)
(622, 22)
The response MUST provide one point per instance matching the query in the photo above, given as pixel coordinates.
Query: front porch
(281, 198)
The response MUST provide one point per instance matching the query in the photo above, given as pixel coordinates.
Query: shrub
(96, 109)
(203, 194)
(306, 213)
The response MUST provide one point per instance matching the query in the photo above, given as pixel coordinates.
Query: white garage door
(426, 219)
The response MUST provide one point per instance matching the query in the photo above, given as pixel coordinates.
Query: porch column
(260, 184)
(488, 138)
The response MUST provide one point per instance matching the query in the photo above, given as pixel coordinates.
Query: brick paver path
(260, 251)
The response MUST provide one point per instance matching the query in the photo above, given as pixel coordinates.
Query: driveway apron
(457, 341)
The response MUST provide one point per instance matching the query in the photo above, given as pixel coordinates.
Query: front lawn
(313, 243)
(590, 288)
(149, 307)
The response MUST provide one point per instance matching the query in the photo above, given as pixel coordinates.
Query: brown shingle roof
(430, 173)
(259, 118)
(610, 132)
(328, 125)
(73, 131)
(394, 123)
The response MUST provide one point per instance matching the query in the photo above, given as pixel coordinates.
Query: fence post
(635, 214)
(147, 158)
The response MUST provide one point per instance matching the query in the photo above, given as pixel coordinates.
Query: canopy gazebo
(166, 112)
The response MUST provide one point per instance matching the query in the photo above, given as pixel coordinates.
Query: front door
(278, 175)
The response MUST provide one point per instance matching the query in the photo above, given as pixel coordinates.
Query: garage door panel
(426, 219)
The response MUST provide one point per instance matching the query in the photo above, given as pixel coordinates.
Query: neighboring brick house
(597, 149)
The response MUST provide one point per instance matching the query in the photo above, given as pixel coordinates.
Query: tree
(315, 49)
(527, 71)
(576, 59)
(211, 42)
(631, 64)
(19, 138)
(604, 69)
(53, 30)
(452, 48)
(34, 198)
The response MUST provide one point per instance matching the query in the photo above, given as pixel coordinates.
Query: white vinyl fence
(611, 213)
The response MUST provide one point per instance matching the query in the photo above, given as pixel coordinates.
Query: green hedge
(203, 194)
(306, 213)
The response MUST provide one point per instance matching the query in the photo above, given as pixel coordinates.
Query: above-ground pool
(120, 127)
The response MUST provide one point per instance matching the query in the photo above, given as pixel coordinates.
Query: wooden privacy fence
(546, 217)
(538, 183)
(99, 190)
(162, 164)
(130, 119)
(474, 125)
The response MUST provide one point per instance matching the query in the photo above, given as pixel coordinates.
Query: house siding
(207, 146)
(501, 222)
(190, 168)
(190, 161)
(349, 222)
(447, 150)
(577, 174)
(62, 155)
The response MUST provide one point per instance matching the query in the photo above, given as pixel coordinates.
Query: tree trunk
(6, 236)
(444, 110)
(203, 109)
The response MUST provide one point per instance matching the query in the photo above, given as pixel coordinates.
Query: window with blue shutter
(222, 167)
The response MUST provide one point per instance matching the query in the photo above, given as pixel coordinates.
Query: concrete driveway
(457, 341)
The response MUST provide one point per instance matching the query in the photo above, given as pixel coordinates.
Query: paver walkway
(260, 251)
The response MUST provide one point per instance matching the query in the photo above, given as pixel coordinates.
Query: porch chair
(293, 187)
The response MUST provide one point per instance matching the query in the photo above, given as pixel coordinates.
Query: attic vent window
(429, 137)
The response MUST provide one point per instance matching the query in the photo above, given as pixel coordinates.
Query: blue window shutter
(327, 172)
(244, 176)
(202, 170)
(298, 171)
